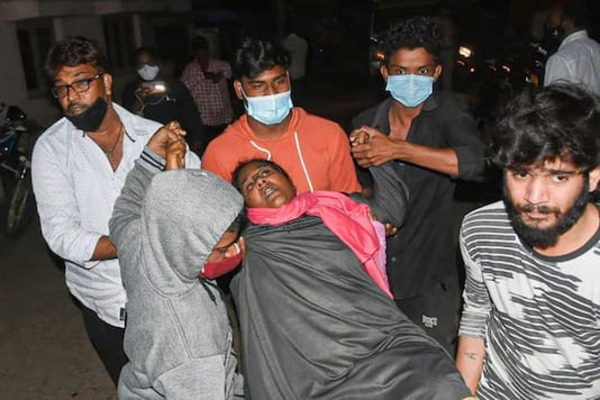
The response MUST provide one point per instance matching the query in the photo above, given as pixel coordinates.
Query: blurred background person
(297, 48)
(208, 81)
(155, 96)
(577, 59)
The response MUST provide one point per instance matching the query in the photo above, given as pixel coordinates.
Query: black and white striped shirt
(539, 315)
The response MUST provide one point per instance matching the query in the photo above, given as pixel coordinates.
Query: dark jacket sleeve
(124, 224)
(390, 195)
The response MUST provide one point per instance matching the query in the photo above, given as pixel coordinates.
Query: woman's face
(263, 187)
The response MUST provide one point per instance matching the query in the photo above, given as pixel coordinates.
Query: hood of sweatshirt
(185, 213)
(241, 128)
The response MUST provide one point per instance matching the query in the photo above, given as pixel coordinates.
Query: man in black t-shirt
(434, 140)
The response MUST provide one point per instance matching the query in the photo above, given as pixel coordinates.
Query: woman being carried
(316, 322)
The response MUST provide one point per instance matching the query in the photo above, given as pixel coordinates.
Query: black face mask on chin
(91, 119)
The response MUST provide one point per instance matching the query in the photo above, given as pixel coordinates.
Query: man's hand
(105, 249)
(359, 136)
(165, 136)
(390, 230)
(143, 92)
(370, 147)
(175, 155)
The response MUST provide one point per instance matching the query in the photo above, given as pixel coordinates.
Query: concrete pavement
(45, 353)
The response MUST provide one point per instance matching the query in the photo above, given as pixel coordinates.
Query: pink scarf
(347, 219)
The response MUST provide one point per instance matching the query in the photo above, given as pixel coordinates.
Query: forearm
(443, 160)
(469, 360)
(104, 250)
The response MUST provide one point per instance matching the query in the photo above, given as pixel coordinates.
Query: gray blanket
(315, 326)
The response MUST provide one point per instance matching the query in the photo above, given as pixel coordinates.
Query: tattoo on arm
(471, 356)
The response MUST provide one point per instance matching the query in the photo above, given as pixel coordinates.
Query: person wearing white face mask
(160, 98)
(433, 140)
(314, 151)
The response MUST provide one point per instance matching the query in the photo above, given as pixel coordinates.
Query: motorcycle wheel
(20, 209)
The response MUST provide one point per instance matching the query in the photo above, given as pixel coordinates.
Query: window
(35, 39)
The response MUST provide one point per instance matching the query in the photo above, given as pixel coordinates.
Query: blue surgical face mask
(410, 89)
(271, 109)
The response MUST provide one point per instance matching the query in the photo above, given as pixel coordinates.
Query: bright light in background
(465, 51)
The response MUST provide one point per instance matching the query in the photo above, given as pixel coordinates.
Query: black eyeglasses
(79, 86)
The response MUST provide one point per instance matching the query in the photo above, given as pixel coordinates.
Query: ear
(437, 72)
(384, 72)
(567, 24)
(237, 87)
(107, 81)
(242, 244)
(594, 179)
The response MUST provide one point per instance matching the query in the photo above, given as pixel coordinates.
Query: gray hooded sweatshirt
(177, 334)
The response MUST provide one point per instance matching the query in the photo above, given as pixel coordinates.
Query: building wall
(12, 80)
(66, 18)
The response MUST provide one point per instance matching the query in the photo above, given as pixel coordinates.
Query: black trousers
(437, 311)
(107, 341)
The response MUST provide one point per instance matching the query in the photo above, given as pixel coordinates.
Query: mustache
(527, 208)
(73, 105)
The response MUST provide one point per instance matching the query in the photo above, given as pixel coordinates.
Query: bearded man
(78, 168)
(530, 327)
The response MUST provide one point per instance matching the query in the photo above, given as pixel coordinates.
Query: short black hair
(259, 162)
(561, 120)
(254, 56)
(147, 50)
(577, 11)
(412, 33)
(72, 51)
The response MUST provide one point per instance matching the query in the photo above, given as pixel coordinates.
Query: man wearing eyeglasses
(79, 166)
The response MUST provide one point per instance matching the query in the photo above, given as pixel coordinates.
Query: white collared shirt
(75, 190)
(577, 60)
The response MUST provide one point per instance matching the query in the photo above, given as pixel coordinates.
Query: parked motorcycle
(17, 137)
